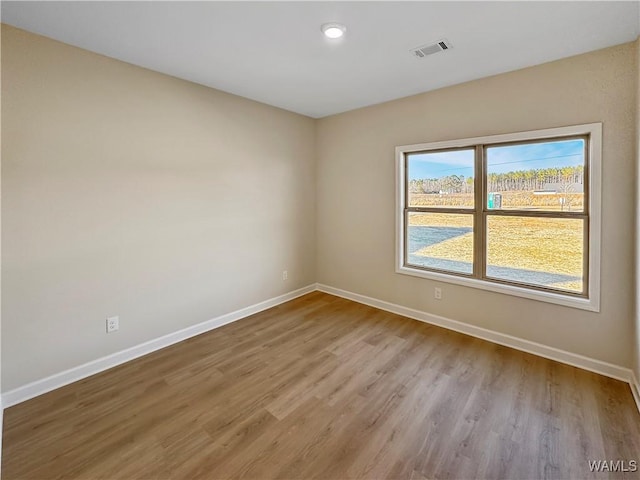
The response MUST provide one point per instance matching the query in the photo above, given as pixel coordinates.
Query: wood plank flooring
(325, 388)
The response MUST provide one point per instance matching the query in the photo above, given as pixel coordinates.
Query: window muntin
(563, 270)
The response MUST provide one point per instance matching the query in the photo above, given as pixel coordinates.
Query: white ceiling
(274, 52)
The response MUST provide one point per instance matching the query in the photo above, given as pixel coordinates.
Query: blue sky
(532, 156)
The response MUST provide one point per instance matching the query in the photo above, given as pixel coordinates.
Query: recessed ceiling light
(333, 30)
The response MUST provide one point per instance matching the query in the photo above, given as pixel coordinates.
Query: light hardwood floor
(322, 387)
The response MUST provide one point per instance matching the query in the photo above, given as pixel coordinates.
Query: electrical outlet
(285, 275)
(113, 324)
(437, 293)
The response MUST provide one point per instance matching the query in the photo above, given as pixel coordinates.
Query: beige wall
(131, 193)
(1, 407)
(356, 188)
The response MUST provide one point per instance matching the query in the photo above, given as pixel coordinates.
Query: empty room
(320, 240)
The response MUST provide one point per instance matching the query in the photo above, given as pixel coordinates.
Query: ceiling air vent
(430, 49)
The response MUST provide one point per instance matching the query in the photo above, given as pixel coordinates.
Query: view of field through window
(529, 177)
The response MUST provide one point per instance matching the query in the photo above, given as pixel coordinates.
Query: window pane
(441, 179)
(547, 252)
(544, 176)
(440, 240)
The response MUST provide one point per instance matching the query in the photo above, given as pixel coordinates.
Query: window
(516, 213)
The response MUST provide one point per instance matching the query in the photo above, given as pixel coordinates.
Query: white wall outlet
(437, 293)
(113, 324)
(285, 275)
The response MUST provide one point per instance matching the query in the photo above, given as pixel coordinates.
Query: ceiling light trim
(333, 30)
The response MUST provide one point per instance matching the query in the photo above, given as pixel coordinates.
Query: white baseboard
(1, 432)
(61, 379)
(635, 388)
(585, 363)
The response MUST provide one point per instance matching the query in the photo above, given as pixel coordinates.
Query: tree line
(519, 180)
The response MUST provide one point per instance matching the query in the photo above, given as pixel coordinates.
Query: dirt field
(510, 200)
(544, 251)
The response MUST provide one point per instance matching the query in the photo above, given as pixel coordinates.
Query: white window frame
(592, 301)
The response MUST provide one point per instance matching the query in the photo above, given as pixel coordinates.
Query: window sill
(591, 304)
